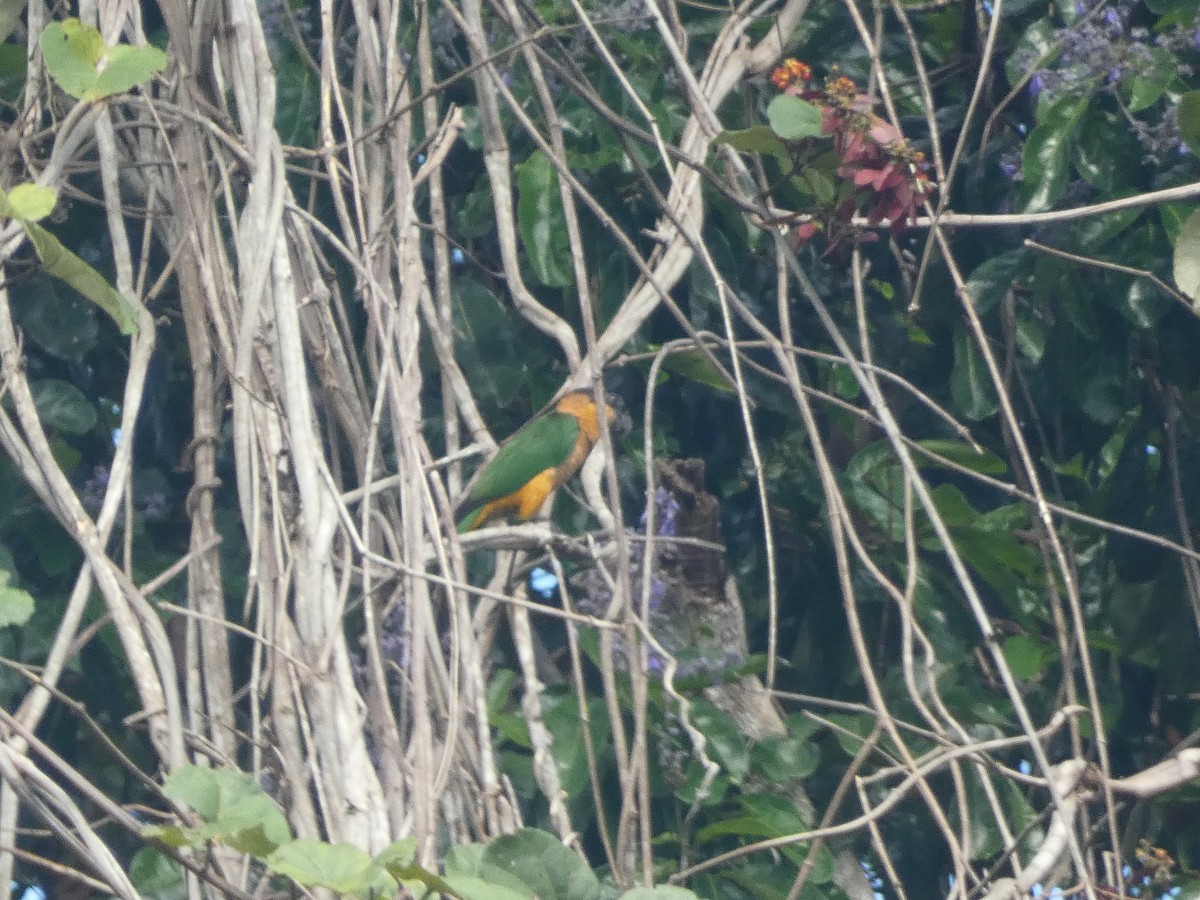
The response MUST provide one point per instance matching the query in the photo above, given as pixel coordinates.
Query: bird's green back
(542, 444)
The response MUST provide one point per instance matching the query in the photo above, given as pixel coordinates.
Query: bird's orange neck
(581, 405)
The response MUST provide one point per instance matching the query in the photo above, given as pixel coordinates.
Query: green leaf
(401, 856)
(1046, 159)
(1104, 398)
(952, 505)
(661, 892)
(759, 139)
(1187, 258)
(542, 222)
(727, 743)
(1155, 72)
(341, 868)
(57, 319)
(65, 265)
(78, 59)
(30, 202)
(1025, 656)
(71, 51)
(13, 66)
(695, 365)
(549, 869)
(468, 887)
(157, 877)
(127, 66)
(1031, 338)
(10, 15)
(561, 714)
(991, 280)
(16, 605)
(783, 758)
(793, 119)
(61, 405)
(964, 454)
(1107, 156)
(970, 384)
(1187, 113)
(1091, 234)
(235, 809)
(1173, 216)
(467, 865)
(1144, 304)
(171, 835)
(1037, 44)
(768, 816)
(399, 860)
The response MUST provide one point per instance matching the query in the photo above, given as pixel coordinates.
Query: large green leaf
(157, 877)
(1153, 76)
(57, 319)
(10, 16)
(726, 742)
(758, 139)
(561, 714)
(542, 222)
(970, 383)
(696, 366)
(341, 868)
(783, 758)
(16, 605)
(964, 454)
(61, 405)
(551, 870)
(468, 887)
(87, 69)
(1105, 397)
(29, 202)
(1187, 258)
(234, 808)
(1037, 44)
(794, 119)
(1187, 114)
(1026, 656)
(993, 278)
(471, 871)
(400, 861)
(62, 263)
(1046, 159)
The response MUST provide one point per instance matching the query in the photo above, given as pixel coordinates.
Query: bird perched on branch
(535, 461)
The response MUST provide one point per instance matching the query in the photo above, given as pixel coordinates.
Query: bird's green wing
(542, 444)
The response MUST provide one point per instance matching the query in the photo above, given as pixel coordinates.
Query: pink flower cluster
(889, 176)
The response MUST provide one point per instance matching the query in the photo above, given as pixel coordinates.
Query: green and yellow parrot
(534, 462)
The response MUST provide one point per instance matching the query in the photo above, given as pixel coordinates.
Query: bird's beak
(619, 421)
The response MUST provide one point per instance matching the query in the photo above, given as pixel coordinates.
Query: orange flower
(791, 71)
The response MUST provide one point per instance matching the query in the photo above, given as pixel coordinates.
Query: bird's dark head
(620, 423)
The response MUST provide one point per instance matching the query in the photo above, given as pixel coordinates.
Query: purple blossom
(658, 590)
(1010, 165)
(666, 507)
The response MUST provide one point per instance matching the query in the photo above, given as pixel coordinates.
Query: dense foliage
(892, 590)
